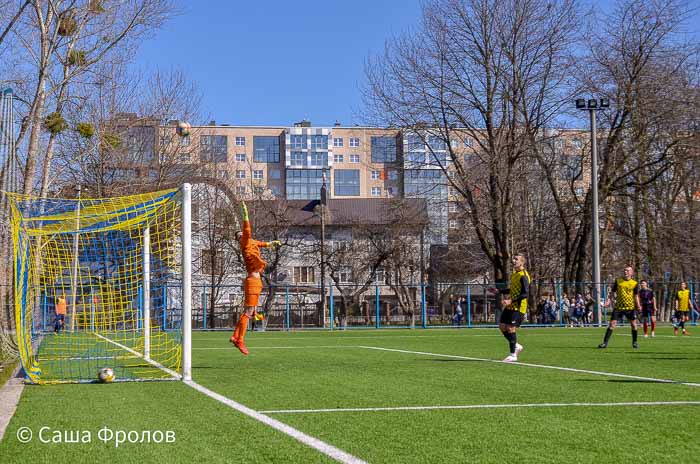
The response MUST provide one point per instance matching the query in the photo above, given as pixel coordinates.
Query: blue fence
(288, 307)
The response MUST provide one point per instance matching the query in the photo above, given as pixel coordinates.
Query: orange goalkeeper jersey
(251, 250)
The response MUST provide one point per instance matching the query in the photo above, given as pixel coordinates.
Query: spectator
(566, 318)
(457, 312)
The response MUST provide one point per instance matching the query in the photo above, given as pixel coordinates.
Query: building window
(240, 141)
(354, 158)
(578, 191)
(454, 143)
(393, 174)
(304, 275)
(240, 156)
(319, 158)
(376, 191)
(266, 149)
(452, 206)
(276, 190)
(214, 148)
(274, 174)
(436, 143)
(375, 175)
(468, 142)
(453, 224)
(185, 141)
(223, 174)
(337, 142)
(383, 149)
(240, 174)
(319, 142)
(240, 190)
(298, 142)
(298, 158)
(304, 184)
(390, 192)
(257, 174)
(185, 157)
(347, 182)
(337, 158)
(354, 141)
(577, 143)
(345, 275)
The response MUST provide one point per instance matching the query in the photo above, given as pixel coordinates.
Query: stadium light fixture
(592, 105)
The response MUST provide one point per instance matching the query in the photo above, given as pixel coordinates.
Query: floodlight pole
(593, 105)
(324, 195)
(146, 293)
(594, 222)
(186, 282)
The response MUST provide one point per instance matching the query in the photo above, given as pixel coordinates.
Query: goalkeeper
(252, 286)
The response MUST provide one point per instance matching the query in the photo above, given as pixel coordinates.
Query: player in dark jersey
(515, 307)
(626, 292)
(648, 303)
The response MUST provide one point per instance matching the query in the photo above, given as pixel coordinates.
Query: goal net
(99, 283)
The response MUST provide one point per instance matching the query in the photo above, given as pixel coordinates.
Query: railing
(292, 306)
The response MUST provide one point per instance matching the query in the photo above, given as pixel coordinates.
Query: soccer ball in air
(183, 128)
(106, 375)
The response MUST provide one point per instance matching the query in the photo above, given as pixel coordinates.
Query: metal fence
(292, 307)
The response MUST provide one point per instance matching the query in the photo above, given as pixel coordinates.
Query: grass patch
(314, 370)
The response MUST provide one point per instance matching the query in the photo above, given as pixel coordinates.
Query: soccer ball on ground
(106, 375)
(183, 128)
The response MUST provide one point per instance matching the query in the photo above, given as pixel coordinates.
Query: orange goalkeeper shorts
(252, 288)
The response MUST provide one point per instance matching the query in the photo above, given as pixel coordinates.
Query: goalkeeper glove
(276, 243)
(244, 211)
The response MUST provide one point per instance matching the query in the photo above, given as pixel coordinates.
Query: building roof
(343, 212)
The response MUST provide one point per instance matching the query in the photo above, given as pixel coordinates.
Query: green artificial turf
(328, 370)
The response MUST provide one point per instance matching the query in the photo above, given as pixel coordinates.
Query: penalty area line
(541, 366)
(484, 406)
(325, 448)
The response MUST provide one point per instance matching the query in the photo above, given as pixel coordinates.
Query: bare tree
(492, 71)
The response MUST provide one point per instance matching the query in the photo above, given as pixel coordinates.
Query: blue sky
(275, 62)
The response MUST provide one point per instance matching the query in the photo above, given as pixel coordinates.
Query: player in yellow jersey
(515, 307)
(682, 308)
(626, 291)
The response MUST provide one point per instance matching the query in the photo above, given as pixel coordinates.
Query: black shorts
(648, 312)
(680, 314)
(511, 317)
(618, 316)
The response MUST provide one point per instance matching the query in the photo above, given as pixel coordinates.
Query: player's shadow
(632, 381)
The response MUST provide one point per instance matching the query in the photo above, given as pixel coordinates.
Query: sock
(512, 340)
(608, 334)
(646, 328)
(241, 327)
(634, 336)
(682, 324)
(653, 326)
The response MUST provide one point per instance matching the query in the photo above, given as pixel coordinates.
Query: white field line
(148, 360)
(329, 450)
(484, 406)
(542, 366)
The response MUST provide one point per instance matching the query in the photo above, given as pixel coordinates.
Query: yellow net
(79, 286)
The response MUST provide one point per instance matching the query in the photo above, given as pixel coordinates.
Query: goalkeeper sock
(242, 326)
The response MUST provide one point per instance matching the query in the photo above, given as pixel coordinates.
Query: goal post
(103, 282)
